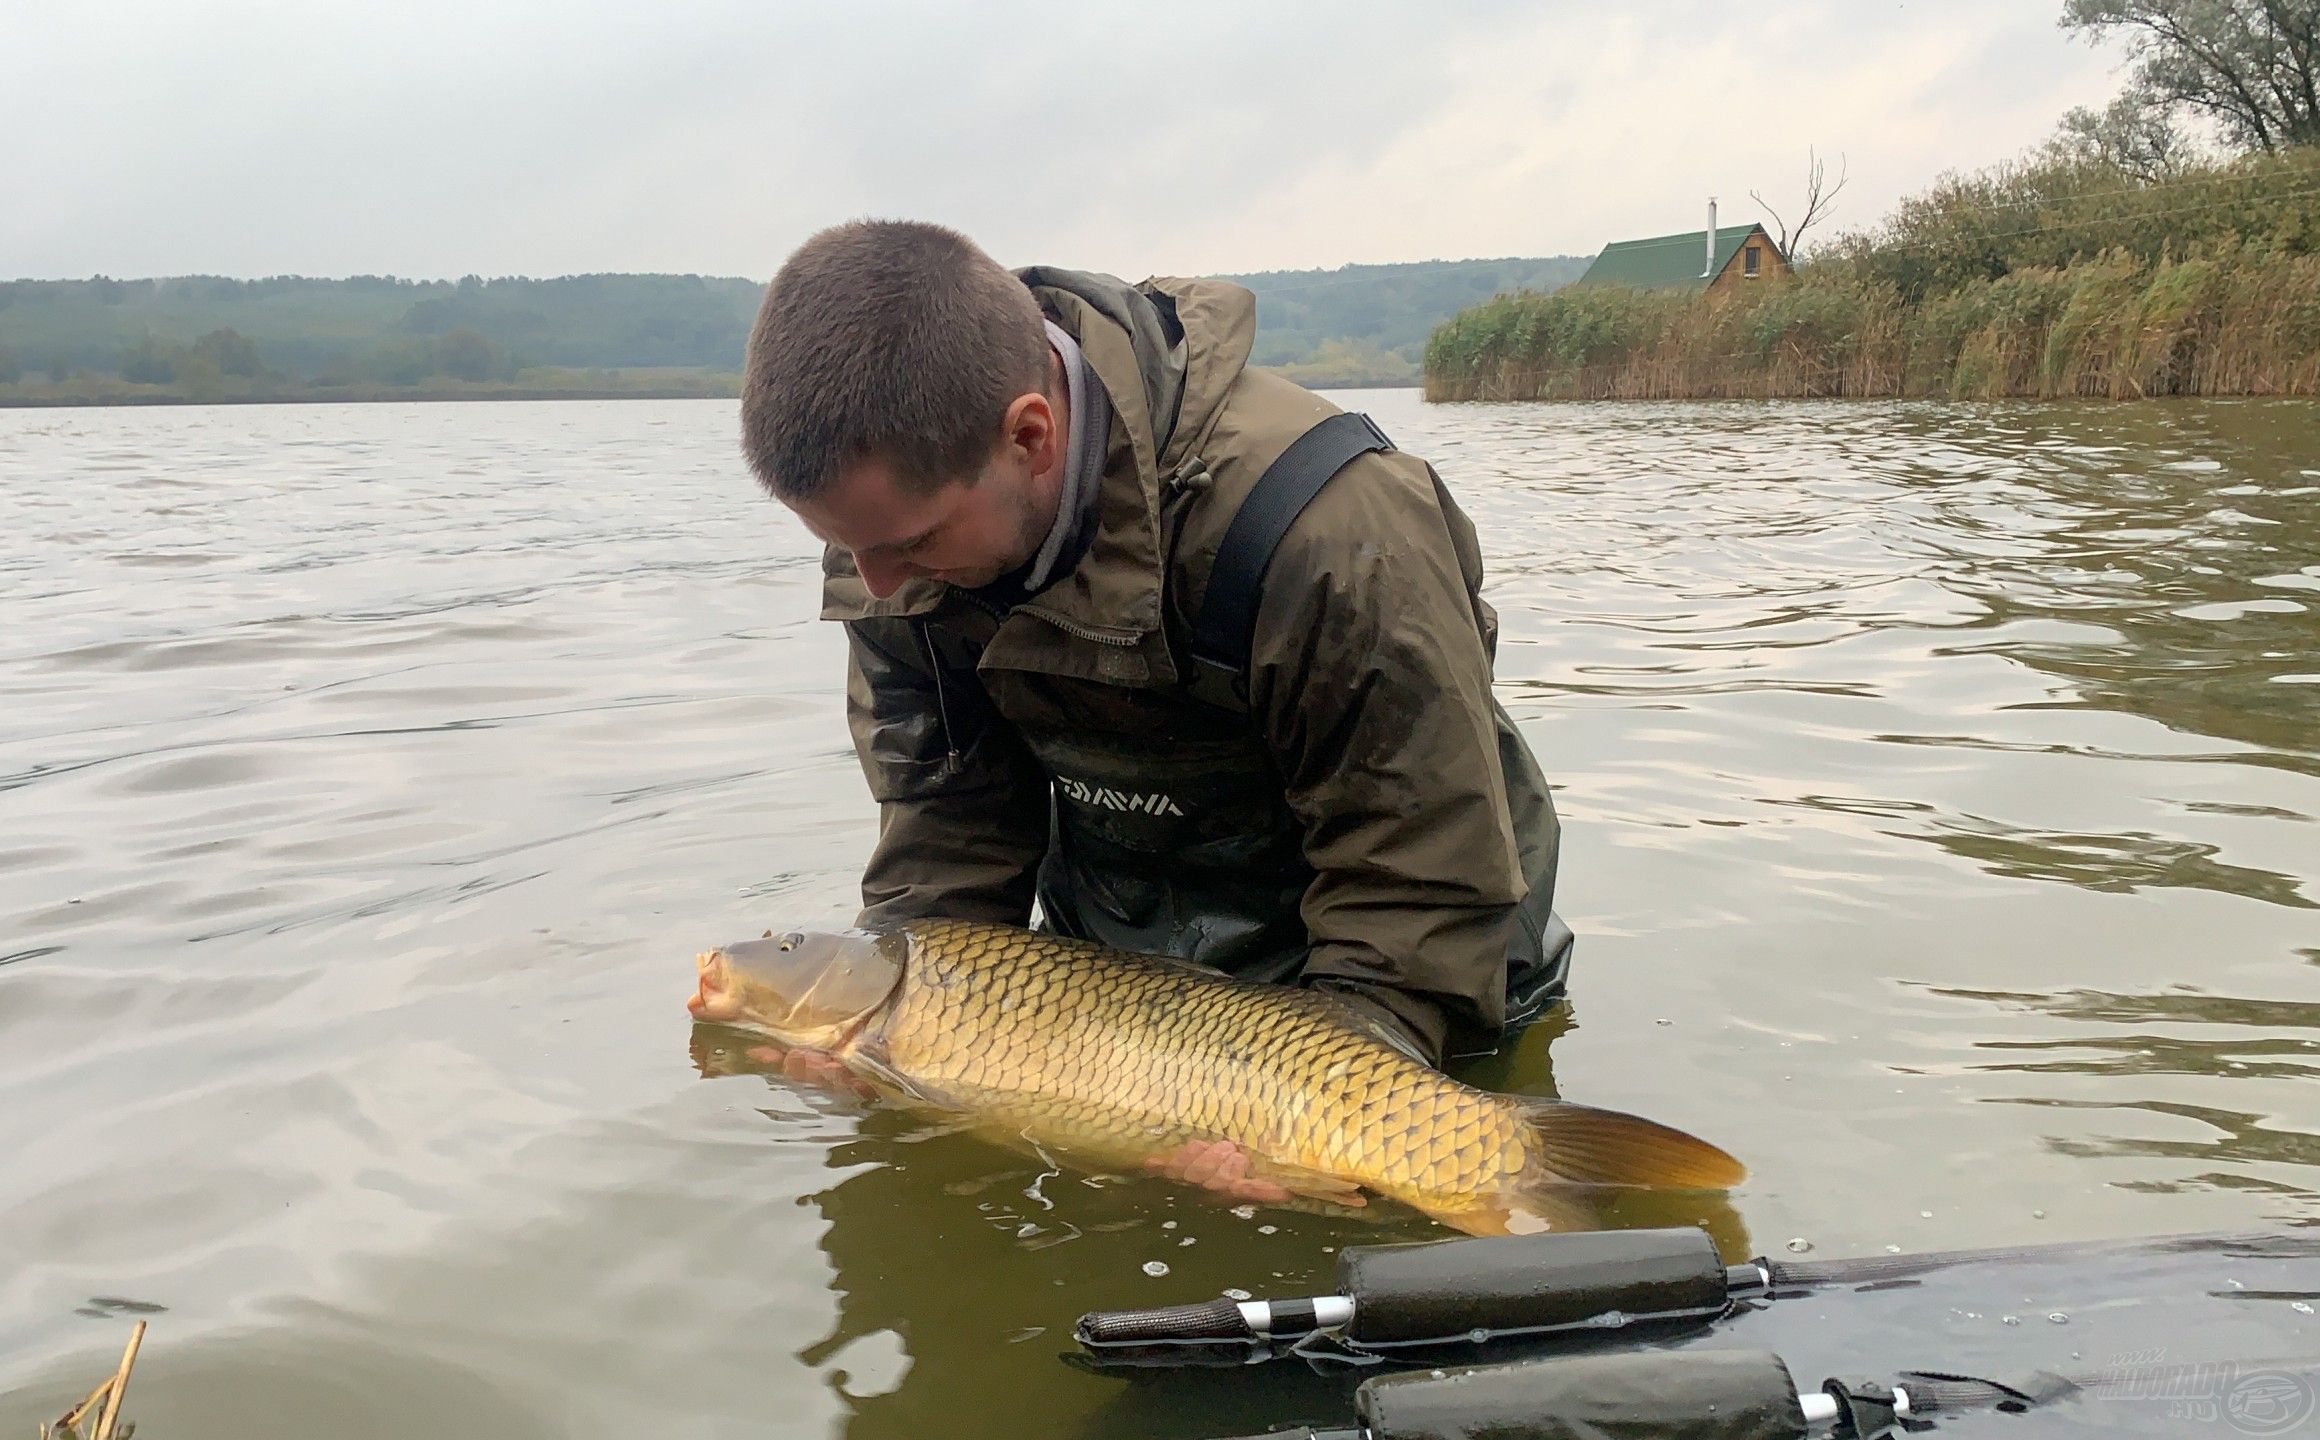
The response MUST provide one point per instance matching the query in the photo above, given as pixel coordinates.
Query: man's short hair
(891, 338)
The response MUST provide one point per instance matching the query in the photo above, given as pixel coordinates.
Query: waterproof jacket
(1367, 820)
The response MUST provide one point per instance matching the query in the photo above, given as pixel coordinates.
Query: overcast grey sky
(438, 137)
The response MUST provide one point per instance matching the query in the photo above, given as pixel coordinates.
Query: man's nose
(883, 577)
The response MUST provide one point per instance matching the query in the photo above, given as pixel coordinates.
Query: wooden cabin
(1716, 260)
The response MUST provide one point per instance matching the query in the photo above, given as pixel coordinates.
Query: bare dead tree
(1819, 198)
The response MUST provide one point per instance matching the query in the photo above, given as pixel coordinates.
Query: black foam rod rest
(1409, 1294)
(1700, 1395)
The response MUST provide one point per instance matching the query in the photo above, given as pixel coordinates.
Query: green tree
(399, 362)
(463, 354)
(2129, 136)
(148, 364)
(10, 371)
(2252, 66)
(230, 351)
(60, 369)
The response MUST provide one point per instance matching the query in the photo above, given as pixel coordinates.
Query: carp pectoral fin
(1312, 1184)
(872, 1067)
(1580, 1145)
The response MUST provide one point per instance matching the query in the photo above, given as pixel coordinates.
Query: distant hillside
(1380, 315)
(202, 337)
(384, 330)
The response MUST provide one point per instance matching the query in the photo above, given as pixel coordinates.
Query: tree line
(215, 337)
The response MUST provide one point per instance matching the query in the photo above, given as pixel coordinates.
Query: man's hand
(1217, 1165)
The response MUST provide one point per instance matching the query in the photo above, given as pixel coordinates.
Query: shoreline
(420, 395)
(368, 397)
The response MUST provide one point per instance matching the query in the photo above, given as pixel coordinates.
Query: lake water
(1940, 787)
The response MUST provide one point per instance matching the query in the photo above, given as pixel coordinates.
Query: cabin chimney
(1708, 266)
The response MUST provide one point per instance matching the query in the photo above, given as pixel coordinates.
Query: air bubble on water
(1268, 1229)
(2037, 1214)
(1329, 1249)
(1663, 1020)
(1155, 1268)
(1800, 1245)
(1167, 1224)
(2009, 1320)
(1892, 1249)
(1245, 1212)
(1234, 1292)
(2299, 1307)
(1478, 1335)
(2059, 1318)
(1925, 1214)
(1187, 1240)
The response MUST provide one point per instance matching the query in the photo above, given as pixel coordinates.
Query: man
(1023, 481)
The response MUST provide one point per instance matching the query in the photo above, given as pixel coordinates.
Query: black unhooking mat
(2200, 1335)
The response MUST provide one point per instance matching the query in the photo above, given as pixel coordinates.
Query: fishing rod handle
(1215, 1320)
(1209, 1320)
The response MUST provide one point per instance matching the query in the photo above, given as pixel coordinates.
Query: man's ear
(1032, 432)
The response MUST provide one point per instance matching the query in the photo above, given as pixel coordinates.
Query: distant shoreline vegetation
(208, 340)
(2060, 275)
(91, 390)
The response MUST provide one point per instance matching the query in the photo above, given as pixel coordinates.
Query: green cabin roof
(1669, 262)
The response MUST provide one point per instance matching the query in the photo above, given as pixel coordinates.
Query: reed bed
(2061, 280)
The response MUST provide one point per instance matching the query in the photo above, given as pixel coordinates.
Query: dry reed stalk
(79, 1412)
(107, 1395)
(120, 1384)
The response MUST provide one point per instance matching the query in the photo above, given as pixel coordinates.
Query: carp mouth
(716, 1000)
(807, 990)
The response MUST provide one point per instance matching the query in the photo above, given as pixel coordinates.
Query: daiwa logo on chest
(1127, 802)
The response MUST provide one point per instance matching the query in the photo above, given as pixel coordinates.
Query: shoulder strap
(1221, 637)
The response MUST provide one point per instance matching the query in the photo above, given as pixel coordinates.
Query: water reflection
(2181, 591)
(960, 1266)
(2116, 863)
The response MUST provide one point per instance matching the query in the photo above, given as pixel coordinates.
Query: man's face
(968, 533)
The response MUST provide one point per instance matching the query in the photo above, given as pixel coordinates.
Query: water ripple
(1939, 787)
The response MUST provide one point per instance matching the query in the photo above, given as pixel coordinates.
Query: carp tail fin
(1581, 1145)
(1581, 1160)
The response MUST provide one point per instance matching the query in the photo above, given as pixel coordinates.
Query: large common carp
(1120, 1058)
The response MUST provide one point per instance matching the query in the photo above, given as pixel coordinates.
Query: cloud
(249, 137)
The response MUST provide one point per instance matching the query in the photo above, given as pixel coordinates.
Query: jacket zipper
(942, 704)
(1191, 475)
(1074, 628)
